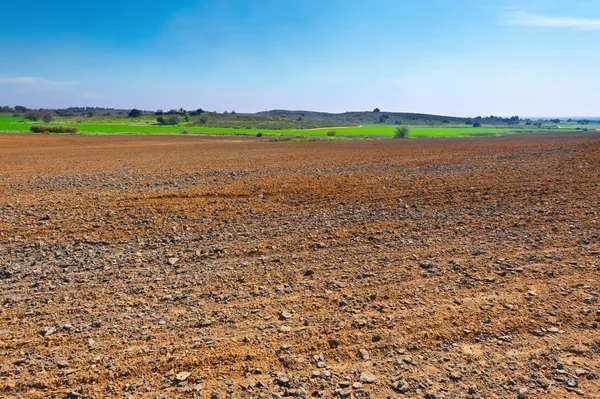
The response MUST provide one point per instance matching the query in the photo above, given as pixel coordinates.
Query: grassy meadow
(148, 125)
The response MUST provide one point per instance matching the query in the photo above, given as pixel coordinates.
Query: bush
(173, 119)
(185, 131)
(476, 124)
(32, 115)
(135, 113)
(259, 135)
(401, 132)
(331, 133)
(47, 117)
(53, 129)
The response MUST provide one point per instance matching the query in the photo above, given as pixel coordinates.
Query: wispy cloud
(523, 18)
(35, 82)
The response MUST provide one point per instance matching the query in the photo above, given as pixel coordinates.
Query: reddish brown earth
(165, 267)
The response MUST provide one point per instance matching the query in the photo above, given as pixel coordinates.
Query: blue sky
(461, 57)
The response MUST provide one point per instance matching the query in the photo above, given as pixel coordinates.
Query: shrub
(401, 132)
(476, 124)
(32, 115)
(259, 135)
(173, 119)
(135, 113)
(331, 133)
(185, 130)
(47, 117)
(53, 129)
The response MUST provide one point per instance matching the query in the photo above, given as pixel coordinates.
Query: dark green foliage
(259, 135)
(33, 115)
(47, 117)
(135, 113)
(401, 132)
(53, 129)
(21, 109)
(173, 119)
(376, 110)
(476, 124)
(331, 133)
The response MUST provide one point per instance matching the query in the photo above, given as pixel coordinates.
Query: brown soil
(159, 267)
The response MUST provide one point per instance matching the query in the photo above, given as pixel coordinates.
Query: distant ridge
(366, 117)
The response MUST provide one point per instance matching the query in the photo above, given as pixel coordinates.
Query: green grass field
(8, 123)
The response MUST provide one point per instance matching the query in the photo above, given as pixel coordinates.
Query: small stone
(62, 364)
(172, 261)
(456, 376)
(523, 393)
(426, 265)
(182, 376)
(47, 331)
(282, 380)
(285, 347)
(364, 354)
(357, 385)
(552, 330)
(401, 386)
(229, 382)
(571, 382)
(367, 377)
(285, 315)
(580, 372)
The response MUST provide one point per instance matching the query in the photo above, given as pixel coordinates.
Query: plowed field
(178, 266)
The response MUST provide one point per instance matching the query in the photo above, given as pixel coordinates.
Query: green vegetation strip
(8, 123)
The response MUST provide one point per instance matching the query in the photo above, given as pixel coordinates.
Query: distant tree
(203, 119)
(479, 117)
(401, 132)
(173, 119)
(33, 115)
(476, 124)
(376, 110)
(161, 120)
(90, 114)
(20, 108)
(7, 109)
(186, 117)
(159, 112)
(469, 122)
(135, 113)
(233, 112)
(383, 118)
(555, 120)
(47, 117)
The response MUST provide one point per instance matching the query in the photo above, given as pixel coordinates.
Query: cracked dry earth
(198, 267)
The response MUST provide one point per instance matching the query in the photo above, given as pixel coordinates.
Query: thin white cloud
(35, 82)
(522, 18)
